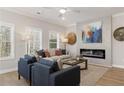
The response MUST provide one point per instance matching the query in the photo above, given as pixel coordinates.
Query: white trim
(58, 40)
(7, 58)
(8, 70)
(100, 65)
(118, 66)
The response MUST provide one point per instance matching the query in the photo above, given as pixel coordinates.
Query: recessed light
(38, 12)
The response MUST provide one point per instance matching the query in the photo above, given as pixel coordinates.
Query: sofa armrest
(66, 77)
(40, 74)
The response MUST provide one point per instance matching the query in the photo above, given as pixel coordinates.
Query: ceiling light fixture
(63, 11)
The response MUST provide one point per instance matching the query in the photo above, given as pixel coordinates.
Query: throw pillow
(47, 54)
(58, 52)
(41, 53)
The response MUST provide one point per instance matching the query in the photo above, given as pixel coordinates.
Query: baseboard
(100, 65)
(8, 70)
(118, 66)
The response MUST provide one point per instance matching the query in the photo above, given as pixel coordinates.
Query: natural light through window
(6, 40)
(35, 41)
(53, 40)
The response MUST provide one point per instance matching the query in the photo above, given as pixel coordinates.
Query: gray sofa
(47, 73)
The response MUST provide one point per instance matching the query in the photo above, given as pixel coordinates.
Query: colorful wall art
(92, 33)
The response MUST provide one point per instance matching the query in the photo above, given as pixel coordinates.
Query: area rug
(89, 77)
(92, 75)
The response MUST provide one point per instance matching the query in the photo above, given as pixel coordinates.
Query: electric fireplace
(93, 53)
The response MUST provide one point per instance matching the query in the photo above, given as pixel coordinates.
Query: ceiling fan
(63, 11)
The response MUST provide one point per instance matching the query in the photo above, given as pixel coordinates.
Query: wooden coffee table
(76, 61)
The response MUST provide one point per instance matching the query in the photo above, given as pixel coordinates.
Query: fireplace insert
(93, 53)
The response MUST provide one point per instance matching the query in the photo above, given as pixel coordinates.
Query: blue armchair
(24, 67)
(44, 74)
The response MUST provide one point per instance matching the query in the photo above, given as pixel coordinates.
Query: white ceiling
(50, 14)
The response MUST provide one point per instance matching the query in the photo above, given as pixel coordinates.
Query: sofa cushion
(52, 64)
(41, 53)
(65, 56)
(27, 57)
(59, 60)
(30, 59)
(56, 59)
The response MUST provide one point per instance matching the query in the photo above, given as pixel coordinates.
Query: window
(6, 41)
(53, 40)
(35, 41)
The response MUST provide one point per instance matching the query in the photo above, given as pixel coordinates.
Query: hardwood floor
(89, 77)
(94, 76)
(113, 77)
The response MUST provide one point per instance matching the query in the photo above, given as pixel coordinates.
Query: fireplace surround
(93, 53)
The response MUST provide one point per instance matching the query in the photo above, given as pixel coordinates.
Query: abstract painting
(92, 33)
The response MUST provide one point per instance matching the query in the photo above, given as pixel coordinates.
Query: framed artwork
(92, 33)
(71, 38)
(119, 34)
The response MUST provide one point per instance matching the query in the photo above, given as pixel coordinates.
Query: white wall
(21, 22)
(72, 48)
(106, 44)
(118, 47)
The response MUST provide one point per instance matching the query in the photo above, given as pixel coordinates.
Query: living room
(31, 29)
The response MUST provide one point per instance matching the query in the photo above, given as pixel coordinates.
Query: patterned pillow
(47, 54)
(58, 52)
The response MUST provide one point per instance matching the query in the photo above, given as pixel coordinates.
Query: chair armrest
(22, 64)
(66, 77)
(24, 69)
(40, 74)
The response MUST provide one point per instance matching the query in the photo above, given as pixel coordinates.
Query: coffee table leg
(86, 66)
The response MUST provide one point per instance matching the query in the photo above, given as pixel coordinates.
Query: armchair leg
(30, 82)
(18, 76)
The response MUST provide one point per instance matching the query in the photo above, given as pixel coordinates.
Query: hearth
(93, 53)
